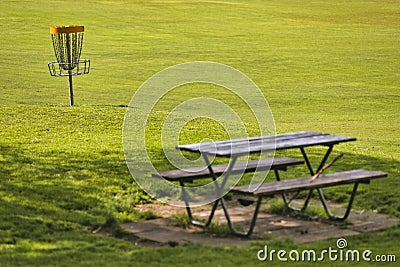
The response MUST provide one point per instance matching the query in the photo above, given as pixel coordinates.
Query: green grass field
(330, 66)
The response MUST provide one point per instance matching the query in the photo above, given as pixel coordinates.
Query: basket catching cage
(67, 44)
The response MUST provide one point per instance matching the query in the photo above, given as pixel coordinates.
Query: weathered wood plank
(294, 185)
(237, 142)
(266, 143)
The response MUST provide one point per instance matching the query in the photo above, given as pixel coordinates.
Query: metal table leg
(325, 158)
(219, 189)
(319, 190)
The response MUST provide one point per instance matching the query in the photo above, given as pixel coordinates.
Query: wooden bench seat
(190, 174)
(294, 185)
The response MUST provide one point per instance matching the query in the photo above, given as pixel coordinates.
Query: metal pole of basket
(71, 90)
(67, 44)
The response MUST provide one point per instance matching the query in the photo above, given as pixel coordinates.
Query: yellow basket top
(66, 29)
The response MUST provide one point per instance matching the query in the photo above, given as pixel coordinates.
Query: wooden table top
(237, 147)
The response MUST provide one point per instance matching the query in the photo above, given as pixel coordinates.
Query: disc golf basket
(67, 44)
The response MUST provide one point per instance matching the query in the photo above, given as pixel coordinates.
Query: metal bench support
(218, 194)
(348, 209)
(326, 208)
(252, 223)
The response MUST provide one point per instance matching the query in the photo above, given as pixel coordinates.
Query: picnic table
(236, 148)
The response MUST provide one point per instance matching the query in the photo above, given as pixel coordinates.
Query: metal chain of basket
(67, 44)
(68, 48)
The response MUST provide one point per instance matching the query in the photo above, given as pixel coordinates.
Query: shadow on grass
(45, 193)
